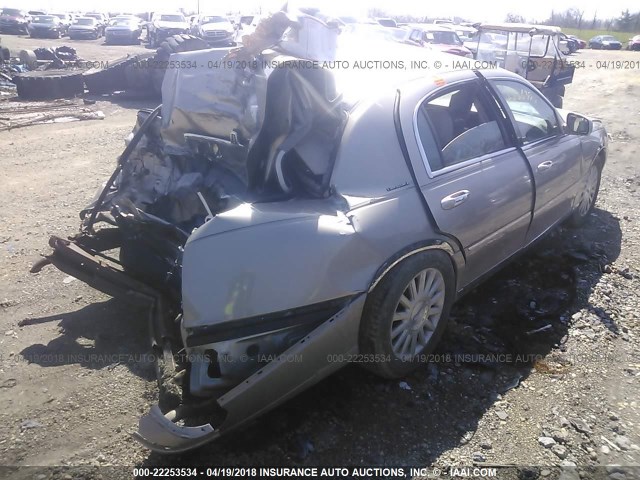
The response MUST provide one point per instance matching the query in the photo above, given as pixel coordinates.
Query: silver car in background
(216, 30)
(84, 28)
(281, 218)
(125, 29)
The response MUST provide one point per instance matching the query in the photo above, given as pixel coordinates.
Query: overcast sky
(471, 9)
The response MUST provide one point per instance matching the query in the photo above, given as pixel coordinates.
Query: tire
(48, 84)
(110, 79)
(174, 44)
(28, 58)
(430, 269)
(138, 75)
(587, 196)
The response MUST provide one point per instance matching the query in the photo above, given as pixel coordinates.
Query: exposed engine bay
(183, 169)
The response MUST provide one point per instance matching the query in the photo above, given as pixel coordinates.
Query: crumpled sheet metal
(278, 381)
(214, 99)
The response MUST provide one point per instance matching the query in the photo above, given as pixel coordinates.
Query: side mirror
(578, 125)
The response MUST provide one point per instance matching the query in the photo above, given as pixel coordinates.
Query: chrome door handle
(545, 165)
(455, 199)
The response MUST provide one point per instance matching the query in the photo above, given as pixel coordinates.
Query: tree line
(574, 18)
(570, 18)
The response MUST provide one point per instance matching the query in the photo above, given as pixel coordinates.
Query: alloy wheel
(417, 313)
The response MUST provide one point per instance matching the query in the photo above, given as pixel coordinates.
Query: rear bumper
(44, 33)
(13, 27)
(82, 34)
(121, 37)
(270, 386)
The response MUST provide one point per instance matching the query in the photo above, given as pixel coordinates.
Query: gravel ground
(563, 322)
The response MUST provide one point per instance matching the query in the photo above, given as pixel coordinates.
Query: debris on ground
(404, 386)
(17, 114)
(29, 424)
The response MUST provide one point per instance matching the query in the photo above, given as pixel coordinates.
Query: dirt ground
(75, 374)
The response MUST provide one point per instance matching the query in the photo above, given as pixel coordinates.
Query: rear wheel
(406, 314)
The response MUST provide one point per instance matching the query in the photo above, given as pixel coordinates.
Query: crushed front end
(231, 149)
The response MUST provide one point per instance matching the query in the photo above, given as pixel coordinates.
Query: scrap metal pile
(47, 73)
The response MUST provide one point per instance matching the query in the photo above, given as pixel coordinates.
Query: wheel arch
(410, 250)
(600, 157)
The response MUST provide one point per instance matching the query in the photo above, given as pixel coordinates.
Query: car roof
(355, 84)
(521, 28)
(433, 27)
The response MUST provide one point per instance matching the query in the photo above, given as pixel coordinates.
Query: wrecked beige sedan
(278, 215)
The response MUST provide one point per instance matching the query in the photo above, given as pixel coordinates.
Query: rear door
(555, 157)
(474, 179)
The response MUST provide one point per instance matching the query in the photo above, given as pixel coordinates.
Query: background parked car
(48, 26)
(164, 25)
(387, 22)
(14, 20)
(102, 20)
(464, 32)
(246, 25)
(634, 43)
(581, 43)
(85, 28)
(123, 29)
(567, 44)
(444, 39)
(216, 30)
(605, 42)
(65, 20)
